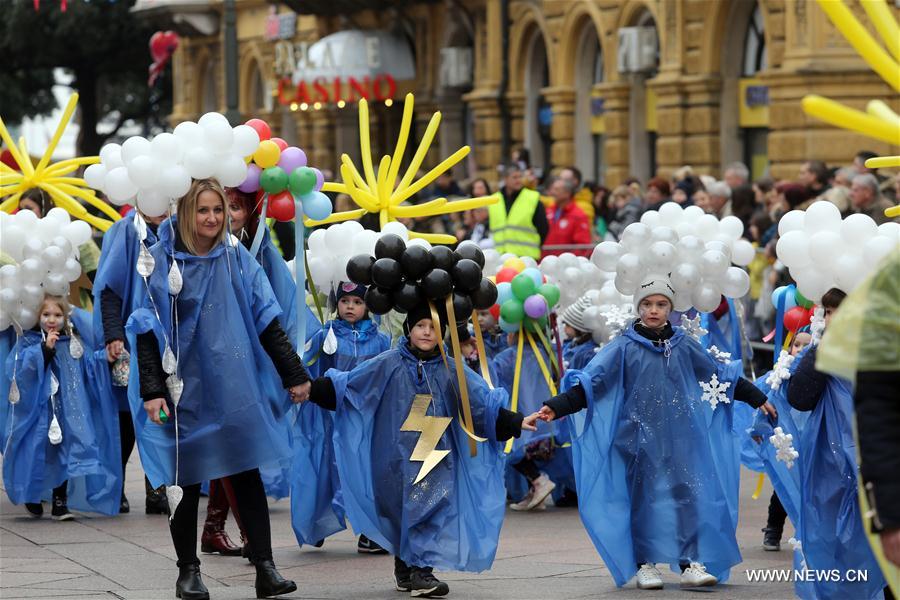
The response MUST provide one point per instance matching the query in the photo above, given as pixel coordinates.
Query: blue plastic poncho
(88, 455)
(657, 467)
(7, 342)
(232, 399)
(116, 271)
(724, 333)
(831, 526)
(533, 392)
(316, 499)
(494, 344)
(578, 356)
(451, 519)
(277, 480)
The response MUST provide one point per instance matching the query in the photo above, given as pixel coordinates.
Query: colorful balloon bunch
(45, 252)
(151, 173)
(524, 297)
(281, 171)
(823, 251)
(402, 276)
(693, 249)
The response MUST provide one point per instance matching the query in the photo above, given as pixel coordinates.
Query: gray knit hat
(654, 284)
(573, 315)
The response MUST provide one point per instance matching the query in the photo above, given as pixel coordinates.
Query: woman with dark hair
(602, 212)
(211, 352)
(792, 195)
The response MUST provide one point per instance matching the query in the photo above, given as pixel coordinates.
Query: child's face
(423, 336)
(829, 311)
(655, 310)
(486, 320)
(351, 308)
(52, 318)
(570, 332)
(801, 341)
(469, 349)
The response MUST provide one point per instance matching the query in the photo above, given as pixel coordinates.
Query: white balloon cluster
(46, 255)
(331, 249)
(575, 276)
(609, 313)
(694, 249)
(822, 251)
(159, 170)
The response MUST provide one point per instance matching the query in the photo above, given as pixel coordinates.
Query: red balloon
(506, 274)
(261, 127)
(281, 206)
(163, 45)
(280, 143)
(495, 312)
(795, 318)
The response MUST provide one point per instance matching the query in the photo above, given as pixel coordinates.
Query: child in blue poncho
(656, 462)
(580, 347)
(62, 437)
(831, 532)
(348, 340)
(409, 480)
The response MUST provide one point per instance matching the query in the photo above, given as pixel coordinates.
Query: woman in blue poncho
(118, 291)
(211, 352)
(656, 466)
(343, 343)
(62, 440)
(409, 481)
(832, 535)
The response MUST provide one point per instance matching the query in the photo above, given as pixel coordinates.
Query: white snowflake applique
(784, 445)
(617, 319)
(817, 325)
(797, 547)
(714, 391)
(692, 327)
(781, 372)
(719, 355)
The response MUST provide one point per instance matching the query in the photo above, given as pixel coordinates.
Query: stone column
(562, 131)
(615, 96)
(486, 119)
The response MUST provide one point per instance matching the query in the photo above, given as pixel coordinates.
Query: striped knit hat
(573, 315)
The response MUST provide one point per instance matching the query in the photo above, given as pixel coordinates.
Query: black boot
(124, 507)
(771, 539)
(269, 581)
(189, 585)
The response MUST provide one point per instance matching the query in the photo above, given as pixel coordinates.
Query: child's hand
(769, 410)
(528, 423)
(300, 393)
(546, 414)
(114, 349)
(153, 408)
(52, 336)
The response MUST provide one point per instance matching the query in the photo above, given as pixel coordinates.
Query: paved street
(542, 555)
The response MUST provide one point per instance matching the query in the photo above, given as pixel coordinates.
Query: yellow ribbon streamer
(514, 401)
(759, 486)
(541, 364)
(482, 353)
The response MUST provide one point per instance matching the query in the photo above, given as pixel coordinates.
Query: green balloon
(550, 293)
(512, 311)
(802, 300)
(522, 286)
(302, 181)
(273, 180)
(533, 325)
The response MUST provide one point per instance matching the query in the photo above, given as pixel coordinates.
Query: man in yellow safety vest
(518, 224)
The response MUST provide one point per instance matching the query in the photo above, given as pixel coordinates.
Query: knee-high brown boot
(215, 539)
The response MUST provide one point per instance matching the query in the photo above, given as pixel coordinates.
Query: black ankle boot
(189, 585)
(269, 581)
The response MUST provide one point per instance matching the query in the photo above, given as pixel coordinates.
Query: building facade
(618, 88)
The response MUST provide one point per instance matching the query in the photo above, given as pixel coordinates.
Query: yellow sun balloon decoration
(380, 192)
(54, 179)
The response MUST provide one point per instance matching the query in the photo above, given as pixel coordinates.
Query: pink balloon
(292, 158)
(251, 182)
(320, 180)
(535, 306)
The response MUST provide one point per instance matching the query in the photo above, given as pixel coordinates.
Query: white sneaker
(541, 487)
(649, 577)
(524, 502)
(696, 576)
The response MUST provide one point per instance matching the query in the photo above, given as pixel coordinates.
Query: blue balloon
(316, 206)
(535, 275)
(504, 292)
(508, 327)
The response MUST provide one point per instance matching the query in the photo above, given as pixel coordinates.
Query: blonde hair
(187, 212)
(622, 191)
(64, 307)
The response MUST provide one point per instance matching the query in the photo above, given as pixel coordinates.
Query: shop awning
(357, 53)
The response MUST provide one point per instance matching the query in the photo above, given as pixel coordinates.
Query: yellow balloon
(267, 154)
(514, 263)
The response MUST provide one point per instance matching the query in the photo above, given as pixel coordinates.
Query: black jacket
(574, 400)
(806, 385)
(878, 424)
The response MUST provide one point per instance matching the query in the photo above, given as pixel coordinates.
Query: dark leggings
(777, 514)
(250, 496)
(126, 437)
(527, 468)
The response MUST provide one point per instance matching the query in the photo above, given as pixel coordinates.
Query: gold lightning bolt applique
(432, 428)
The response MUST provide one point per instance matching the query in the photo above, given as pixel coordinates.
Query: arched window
(538, 113)
(755, 58)
(588, 110)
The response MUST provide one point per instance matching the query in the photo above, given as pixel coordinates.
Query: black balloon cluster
(402, 277)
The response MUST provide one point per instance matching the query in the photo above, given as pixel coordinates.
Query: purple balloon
(292, 158)
(251, 182)
(320, 180)
(535, 306)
